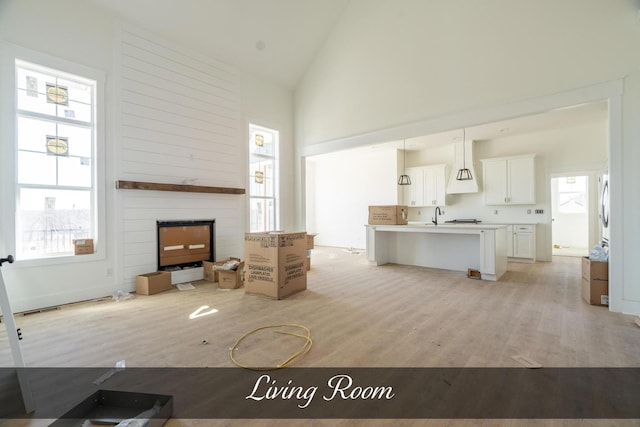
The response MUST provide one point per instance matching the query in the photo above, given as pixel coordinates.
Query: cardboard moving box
(389, 215)
(83, 246)
(594, 270)
(275, 263)
(595, 282)
(595, 292)
(231, 279)
(210, 270)
(310, 242)
(153, 283)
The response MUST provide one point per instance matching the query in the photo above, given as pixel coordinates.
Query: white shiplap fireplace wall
(178, 121)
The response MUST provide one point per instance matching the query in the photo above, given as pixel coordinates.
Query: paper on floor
(526, 361)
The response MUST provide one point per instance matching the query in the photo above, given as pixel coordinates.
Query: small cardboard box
(595, 292)
(152, 283)
(389, 215)
(210, 270)
(275, 263)
(474, 274)
(231, 279)
(83, 246)
(594, 270)
(310, 243)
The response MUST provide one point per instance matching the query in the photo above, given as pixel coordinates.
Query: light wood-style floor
(359, 316)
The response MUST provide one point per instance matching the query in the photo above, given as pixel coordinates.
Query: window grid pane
(55, 164)
(49, 220)
(263, 202)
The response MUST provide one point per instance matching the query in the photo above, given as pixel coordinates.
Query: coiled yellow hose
(304, 350)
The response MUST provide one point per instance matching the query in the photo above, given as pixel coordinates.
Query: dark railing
(52, 241)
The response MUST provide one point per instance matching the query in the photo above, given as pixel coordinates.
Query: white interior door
(14, 343)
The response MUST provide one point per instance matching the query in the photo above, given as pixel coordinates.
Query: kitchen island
(447, 246)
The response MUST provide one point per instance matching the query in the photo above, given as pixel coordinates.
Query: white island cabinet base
(456, 247)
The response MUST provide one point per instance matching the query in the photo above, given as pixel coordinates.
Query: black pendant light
(404, 178)
(464, 174)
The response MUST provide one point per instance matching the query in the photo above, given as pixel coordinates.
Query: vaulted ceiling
(276, 39)
(279, 39)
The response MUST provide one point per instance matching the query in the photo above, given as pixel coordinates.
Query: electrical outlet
(604, 299)
(109, 272)
(539, 211)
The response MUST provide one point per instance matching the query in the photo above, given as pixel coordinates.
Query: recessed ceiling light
(260, 45)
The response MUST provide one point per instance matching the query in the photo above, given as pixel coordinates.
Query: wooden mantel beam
(156, 186)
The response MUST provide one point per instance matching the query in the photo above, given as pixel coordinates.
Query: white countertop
(427, 227)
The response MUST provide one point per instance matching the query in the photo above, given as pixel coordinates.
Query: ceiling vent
(462, 159)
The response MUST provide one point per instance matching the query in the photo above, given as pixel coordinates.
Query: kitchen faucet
(437, 212)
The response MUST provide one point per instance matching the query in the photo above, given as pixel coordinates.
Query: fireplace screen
(185, 243)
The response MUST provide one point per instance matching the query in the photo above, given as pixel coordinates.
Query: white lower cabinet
(488, 245)
(521, 242)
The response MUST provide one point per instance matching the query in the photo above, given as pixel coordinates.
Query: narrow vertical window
(55, 160)
(263, 177)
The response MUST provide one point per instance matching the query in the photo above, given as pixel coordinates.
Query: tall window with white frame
(263, 178)
(55, 160)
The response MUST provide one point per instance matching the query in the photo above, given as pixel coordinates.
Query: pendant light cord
(404, 156)
(464, 150)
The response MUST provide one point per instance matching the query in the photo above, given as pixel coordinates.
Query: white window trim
(276, 189)
(8, 152)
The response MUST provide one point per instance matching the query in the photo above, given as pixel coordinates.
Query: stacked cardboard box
(389, 215)
(275, 263)
(310, 246)
(595, 281)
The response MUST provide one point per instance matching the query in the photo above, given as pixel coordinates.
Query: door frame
(592, 174)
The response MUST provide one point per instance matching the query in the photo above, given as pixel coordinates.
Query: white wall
(177, 120)
(90, 36)
(389, 63)
(341, 186)
(396, 68)
(84, 38)
(268, 105)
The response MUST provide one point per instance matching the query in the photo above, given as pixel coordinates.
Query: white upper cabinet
(428, 186)
(434, 185)
(509, 180)
(413, 194)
